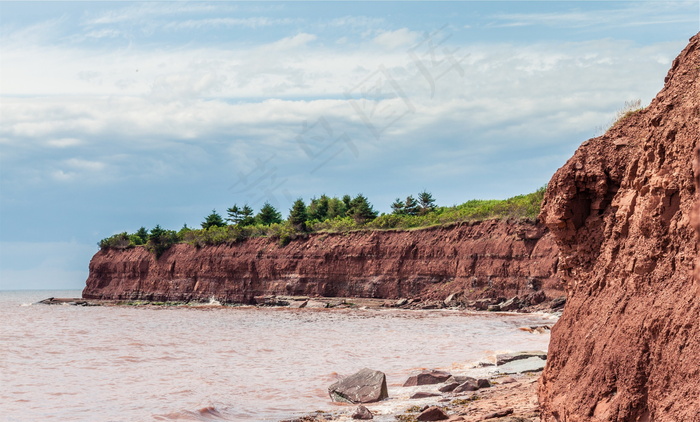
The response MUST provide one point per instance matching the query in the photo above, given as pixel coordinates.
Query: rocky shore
(500, 390)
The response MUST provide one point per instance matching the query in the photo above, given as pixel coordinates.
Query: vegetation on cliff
(326, 214)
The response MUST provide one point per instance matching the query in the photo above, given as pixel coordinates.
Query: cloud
(251, 22)
(394, 39)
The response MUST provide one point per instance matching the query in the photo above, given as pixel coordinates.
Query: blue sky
(116, 115)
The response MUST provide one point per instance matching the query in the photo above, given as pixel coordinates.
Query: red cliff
(627, 347)
(485, 259)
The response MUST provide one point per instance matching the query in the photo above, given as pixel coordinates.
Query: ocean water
(72, 363)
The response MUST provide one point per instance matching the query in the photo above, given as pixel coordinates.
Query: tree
(213, 219)
(426, 201)
(142, 234)
(318, 208)
(268, 215)
(361, 210)
(240, 216)
(247, 218)
(398, 207)
(298, 216)
(411, 206)
(234, 214)
(159, 240)
(336, 208)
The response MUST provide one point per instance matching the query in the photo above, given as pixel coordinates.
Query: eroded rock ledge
(489, 259)
(628, 344)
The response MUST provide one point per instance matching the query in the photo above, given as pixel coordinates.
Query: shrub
(117, 241)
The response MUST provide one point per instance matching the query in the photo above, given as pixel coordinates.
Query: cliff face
(487, 259)
(627, 347)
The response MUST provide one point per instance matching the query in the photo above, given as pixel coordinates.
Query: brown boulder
(362, 413)
(433, 413)
(427, 377)
(365, 386)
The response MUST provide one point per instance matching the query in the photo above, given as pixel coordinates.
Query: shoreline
(553, 307)
(510, 398)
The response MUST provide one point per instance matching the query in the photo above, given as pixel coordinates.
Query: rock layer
(477, 260)
(628, 344)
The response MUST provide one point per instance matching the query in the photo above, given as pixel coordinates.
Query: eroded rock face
(487, 259)
(628, 344)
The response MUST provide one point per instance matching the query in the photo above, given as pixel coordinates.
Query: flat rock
(423, 394)
(433, 413)
(499, 414)
(533, 364)
(364, 386)
(316, 304)
(427, 377)
(509, 357)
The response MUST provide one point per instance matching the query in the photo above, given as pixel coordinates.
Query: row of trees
(422, 206)
(301, 215)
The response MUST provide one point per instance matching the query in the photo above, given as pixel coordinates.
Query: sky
(117, 115)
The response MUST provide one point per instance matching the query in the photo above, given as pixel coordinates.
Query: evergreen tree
(347, 201)
(241, 216)
(411, 207)
(318, 208)
(247, 218)
(398, 207)
(298, 215)
(336, 208)
(361, 210)
(156, 232)
(142, 234)
(213, 219)
(426, 202)
(268, 215)
(234, 214)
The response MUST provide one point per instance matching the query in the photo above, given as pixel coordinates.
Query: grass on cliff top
(517, 207)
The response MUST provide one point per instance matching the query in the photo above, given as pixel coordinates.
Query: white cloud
(394, 39)
(64, 142)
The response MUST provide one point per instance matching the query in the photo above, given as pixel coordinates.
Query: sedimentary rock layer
(627, 347)
(485, 259)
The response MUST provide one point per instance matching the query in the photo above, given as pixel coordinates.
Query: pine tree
(398, 207)
(336, 208)
(426, 201)
(234, 214)
(361, 210)
(298, 216)
(213, 219)
(411, 206)
(268, 215)
(247, 218)
(318, 208)
(142, 233)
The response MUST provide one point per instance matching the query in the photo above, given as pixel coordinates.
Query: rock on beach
(364, 386)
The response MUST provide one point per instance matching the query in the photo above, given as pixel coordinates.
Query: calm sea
(71, 363)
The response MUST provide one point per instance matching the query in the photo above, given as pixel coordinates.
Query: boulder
(511, 304)
(316, 304)
(362, 413)
(483, 383)
(430, 376)
(433, 413)
(365, 386)
(448, 387)
(469, 385)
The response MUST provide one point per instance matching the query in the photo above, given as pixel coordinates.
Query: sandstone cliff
(485, 259)
(627, 347)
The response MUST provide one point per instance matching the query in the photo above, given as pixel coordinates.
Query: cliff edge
(476, 260)
(627, 347)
